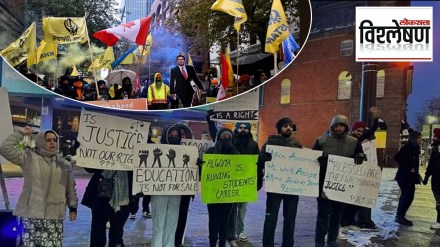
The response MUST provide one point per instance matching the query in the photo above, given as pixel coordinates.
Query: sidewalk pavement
(138, 232)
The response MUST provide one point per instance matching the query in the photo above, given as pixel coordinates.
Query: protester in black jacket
(433, 170)
(407, 175)
(286, 138)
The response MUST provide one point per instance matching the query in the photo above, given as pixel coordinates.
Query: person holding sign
(433, 170)
(49, 186)
(219, 213)
(335, 141)
(407, 175)
(285, 137)
(165, 208)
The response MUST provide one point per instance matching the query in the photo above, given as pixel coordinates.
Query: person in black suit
(180, 82)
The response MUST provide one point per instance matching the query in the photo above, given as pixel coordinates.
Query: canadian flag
(135, 31)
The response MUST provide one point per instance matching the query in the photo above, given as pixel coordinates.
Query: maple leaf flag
(135, 31)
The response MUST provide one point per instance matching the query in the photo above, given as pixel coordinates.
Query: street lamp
(431, 119)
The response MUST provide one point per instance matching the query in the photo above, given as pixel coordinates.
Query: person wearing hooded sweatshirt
(336, 142)
(407, 175)
(48, 187)
(158, 94)
(165, 208)
(433, 170)
(65, 87)
(219, 213)
(286, 137)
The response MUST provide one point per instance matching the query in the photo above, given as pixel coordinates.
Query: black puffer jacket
(434, 160)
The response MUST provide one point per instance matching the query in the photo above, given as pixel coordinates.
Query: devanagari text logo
(394, 34)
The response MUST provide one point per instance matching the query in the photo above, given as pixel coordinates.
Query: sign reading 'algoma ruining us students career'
(292, 171)
(161, 169)
(229, 178)
(350, 183)
(107, 141)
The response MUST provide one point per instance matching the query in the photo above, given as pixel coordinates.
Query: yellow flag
(230, 70)
(129, 59)
(18, 51)
(234, 8)
(278, 30)
(64, 30)
(45, 51)
(74, 71)
(190, 61)
(104, 61)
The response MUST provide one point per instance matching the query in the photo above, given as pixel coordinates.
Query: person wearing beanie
(65, 87)
(158, 94)
(433, 170)
(245, 144)
(49, 186)
(285, 137)
(335, 141)
(407, 175)
(219, 213)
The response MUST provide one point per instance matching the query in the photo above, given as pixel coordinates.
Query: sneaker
(132, 216)
(353, 228)
(232, 243)
(403, 221)
(107, 225)
(242, 236)
(368, 227)
(331, 244)
(435, 226)
(146, 214)
(341, 235)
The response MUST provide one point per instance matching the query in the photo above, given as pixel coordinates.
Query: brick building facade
(325, 80)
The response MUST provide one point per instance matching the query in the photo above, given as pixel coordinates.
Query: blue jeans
(236, 220)
(165, 213)
(290, 205)
(328, 220)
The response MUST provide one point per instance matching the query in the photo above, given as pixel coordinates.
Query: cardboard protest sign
(202, 145)
(292, 171)
(6, 119)
(107, 141)
(350, 183)
(370, 151)
(243, 108)
(161, 169)
(229, 178)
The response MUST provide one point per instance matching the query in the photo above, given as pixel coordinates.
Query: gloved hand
(266, 156)
(359, 158)
(210, 112)
(323, 159)
(425, 180)
(199, 162)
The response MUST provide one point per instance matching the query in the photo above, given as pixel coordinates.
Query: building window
(285, 91)
(380, 88)
(344, 85)
(346, 48)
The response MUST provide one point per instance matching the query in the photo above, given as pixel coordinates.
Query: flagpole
(140, 60)
(275, 63)
(36, 52)
(149, 67)
(238, 55)
(91, 60)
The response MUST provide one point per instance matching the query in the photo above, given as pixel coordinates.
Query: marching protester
(360, 131)
(286, 137)
(165, 208)
(49, 186)
(180, 81)
(335, 141)
(407, 175)
(433, 170)
(219, 213)
(65, 87)
(78, 85)
(158, 94)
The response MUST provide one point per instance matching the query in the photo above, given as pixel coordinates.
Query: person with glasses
(285, 137)
(49, 186)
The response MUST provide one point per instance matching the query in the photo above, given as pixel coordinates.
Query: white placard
(202, 145)
(350, 183)
(161, 169)
(370, 150)
(107, 142)
(293, 171)
(6, 118)
(246, 101)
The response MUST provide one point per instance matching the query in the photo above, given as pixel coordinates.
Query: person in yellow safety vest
(158, 94)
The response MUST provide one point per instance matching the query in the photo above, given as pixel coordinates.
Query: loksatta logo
(394, 34)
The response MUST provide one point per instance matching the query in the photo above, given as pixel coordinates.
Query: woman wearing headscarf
(219, 213)
(48, 187)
